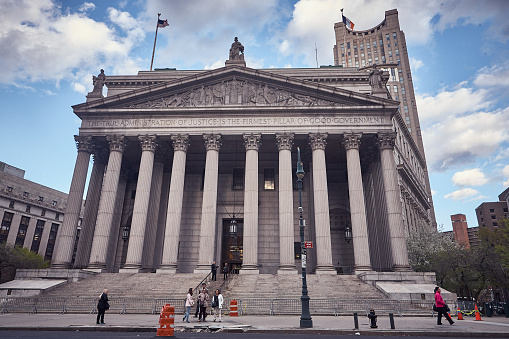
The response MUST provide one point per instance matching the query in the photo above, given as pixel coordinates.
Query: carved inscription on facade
(234, 122)
(235, 92)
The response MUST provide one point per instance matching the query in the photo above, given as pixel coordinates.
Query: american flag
(162, 23)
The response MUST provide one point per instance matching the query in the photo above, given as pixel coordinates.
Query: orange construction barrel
(166, 321)
(233, 308)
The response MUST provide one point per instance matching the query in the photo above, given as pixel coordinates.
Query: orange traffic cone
(459, 314)
(477, 314)
(166, 321)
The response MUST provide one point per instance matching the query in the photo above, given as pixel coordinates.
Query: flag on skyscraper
(164, 23)
(347, 22)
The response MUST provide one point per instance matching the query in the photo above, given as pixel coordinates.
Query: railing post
(355, 321)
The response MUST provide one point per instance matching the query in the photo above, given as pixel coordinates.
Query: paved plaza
(496, 327)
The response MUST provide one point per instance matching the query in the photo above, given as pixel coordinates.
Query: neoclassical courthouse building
(179, 154)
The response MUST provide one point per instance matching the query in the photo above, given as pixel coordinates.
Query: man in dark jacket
(102, 306)
(213, 269)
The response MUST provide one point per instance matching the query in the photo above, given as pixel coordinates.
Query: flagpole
(344, 38)
(155, 39)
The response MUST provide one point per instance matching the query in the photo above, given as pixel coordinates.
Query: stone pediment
(233, 87)
(235, 92)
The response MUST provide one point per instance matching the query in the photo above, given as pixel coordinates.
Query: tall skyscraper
(382, 45)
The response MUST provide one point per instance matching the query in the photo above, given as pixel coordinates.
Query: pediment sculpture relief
(235, 92)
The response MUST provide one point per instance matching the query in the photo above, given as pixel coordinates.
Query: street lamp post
(305, 318)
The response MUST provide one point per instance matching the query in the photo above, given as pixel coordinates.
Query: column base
(401, 268)
(97, 270)
(65, 265)
(325, 270)
(97, 266)
(249, 269)
(359, 269)
(168, 270)
(287, 270)
(131, 270)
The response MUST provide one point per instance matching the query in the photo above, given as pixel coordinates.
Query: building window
(11, 204)
(395, 89)
(238, 179)
(493, 217)
(28, 208)
(367, 45)
(397, 52)
(22, 231)
(54, 203)
(387, 37)
(342, 47)
(390, 53)
(268, 178)
(406, 109)
(394, 35)
(403, 90)
(36, 242)
(25, 194)
(505, 209)
(347, 45)
(407, 120)
(43, 212)
(40, 199)
(492, 210)
(374, 44)
(5, 226)
(9, 189)
(495, 224)
(362, 47)
(51, 242)
(57, 216)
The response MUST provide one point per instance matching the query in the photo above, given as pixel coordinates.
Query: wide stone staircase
(290, 286)
(130, 285)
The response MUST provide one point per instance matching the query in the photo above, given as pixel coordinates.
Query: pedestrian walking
(204, 303)
(102, 306)
(442, 307)
(213, 269)
(189, 304)
(225, 271)
(217, 304)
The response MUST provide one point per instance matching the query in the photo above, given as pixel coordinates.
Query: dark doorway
(231, 252)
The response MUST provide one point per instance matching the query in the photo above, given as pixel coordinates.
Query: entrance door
(231, 252)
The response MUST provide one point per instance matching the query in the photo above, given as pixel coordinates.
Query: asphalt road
(134, 335)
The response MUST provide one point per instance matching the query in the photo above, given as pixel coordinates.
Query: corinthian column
(67, 235)
(352, 142)
(250, 241)
(209, 204)
(393, 202)
(91, 207)
(286, 213)
(139, 222)
(99, 252)
(174, 214)
(318, 141)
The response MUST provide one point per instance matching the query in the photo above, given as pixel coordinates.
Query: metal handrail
(201, 282)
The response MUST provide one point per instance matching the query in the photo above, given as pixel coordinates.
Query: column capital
(252, 141)
(351, 140)
(148, 142)
(84, 143)
(180, 142)
(284, 141)
(212, 142)
(318, 140)
(117, 142)
(386, 140)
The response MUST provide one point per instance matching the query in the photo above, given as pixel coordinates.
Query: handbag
(447, 309)
(107, 306)
(435, 308)
(214, 302)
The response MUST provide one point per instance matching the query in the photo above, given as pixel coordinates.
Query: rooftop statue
(375, 78)
(99, 82)
(237, 50)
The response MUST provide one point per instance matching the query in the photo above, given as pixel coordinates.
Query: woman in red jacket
(440, 303)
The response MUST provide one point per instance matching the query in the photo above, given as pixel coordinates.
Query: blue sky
(459, 53)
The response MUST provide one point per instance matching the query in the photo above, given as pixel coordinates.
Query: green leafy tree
(14, 257)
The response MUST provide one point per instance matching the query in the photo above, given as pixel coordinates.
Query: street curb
(261, 331)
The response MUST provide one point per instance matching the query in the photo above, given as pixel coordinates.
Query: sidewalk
(496, 327)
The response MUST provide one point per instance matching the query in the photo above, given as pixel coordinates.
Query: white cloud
(461, 194)
(459, 140)
(505, 172)
(49, 45)
(469, 177)
(86, 6)
(451, 103)
(495, 76)
(415, 64)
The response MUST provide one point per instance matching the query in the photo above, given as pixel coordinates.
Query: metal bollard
(372, 317)
(355, 321)
(391, 319)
